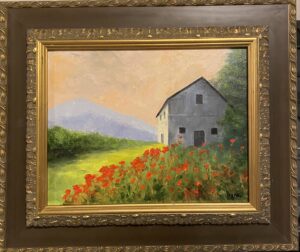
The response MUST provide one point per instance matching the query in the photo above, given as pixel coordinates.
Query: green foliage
(232, 83)
(67, 143)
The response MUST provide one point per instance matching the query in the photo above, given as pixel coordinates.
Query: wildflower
(204, 144)
(220, 146)
(148, 175)
(142, 187)
(185, 166)
(179, 182)
(165, 149)
(122, 162)
(153, 165)
(138, 164)
(198, 183)
(105, 184)
(154, 152)
(168, 177)
(132, 180)
(88, 179)
(77, 189)
(232, 140)
(206, 166)
(67, 193)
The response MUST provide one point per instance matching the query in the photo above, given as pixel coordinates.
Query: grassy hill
(65, 172)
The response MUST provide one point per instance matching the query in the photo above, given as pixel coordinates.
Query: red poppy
(142, 187)
(148, 175)
(206, 166)
(67, 193)
(198, 183)
(203, 145)
(89, 178)
(232, 140)
(122, 162)
(153, 165)
(154, 152)
(85, 188)
(146, 152)
(105, 184)
(185, 166)
(77, 189)
(168, 178)
(179, 182)
(132, 180)
(165, 149)
(138, 164)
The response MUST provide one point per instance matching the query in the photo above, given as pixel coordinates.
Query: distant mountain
(83, 115)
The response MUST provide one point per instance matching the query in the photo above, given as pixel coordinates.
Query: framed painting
(189, 147)
(161, 134)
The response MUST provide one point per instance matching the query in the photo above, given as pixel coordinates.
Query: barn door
(199, 137)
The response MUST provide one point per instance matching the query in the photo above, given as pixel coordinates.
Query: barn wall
(162, 127)
(184, 112)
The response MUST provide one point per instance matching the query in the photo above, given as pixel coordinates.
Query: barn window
(214, 131)
(199, 99)
(160, 117)
(162, 138)
(181, 130)
(164, 114)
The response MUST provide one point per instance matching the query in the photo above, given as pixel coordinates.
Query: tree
(232, 82)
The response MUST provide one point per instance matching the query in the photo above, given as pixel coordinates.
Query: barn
(191, 115)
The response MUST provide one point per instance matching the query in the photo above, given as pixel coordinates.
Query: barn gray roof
(194, 82)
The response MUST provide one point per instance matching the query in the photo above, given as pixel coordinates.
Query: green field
(65, 173)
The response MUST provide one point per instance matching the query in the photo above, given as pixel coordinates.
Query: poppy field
(170, 174)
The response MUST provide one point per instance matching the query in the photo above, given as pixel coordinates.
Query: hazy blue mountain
(83, 115)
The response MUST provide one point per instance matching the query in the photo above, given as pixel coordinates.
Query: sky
(134, 83)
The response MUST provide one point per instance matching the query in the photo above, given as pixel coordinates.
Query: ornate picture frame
(29, 120)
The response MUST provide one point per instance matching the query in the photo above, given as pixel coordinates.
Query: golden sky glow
(133, 83)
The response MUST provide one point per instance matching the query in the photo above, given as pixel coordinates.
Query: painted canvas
(147, 126)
